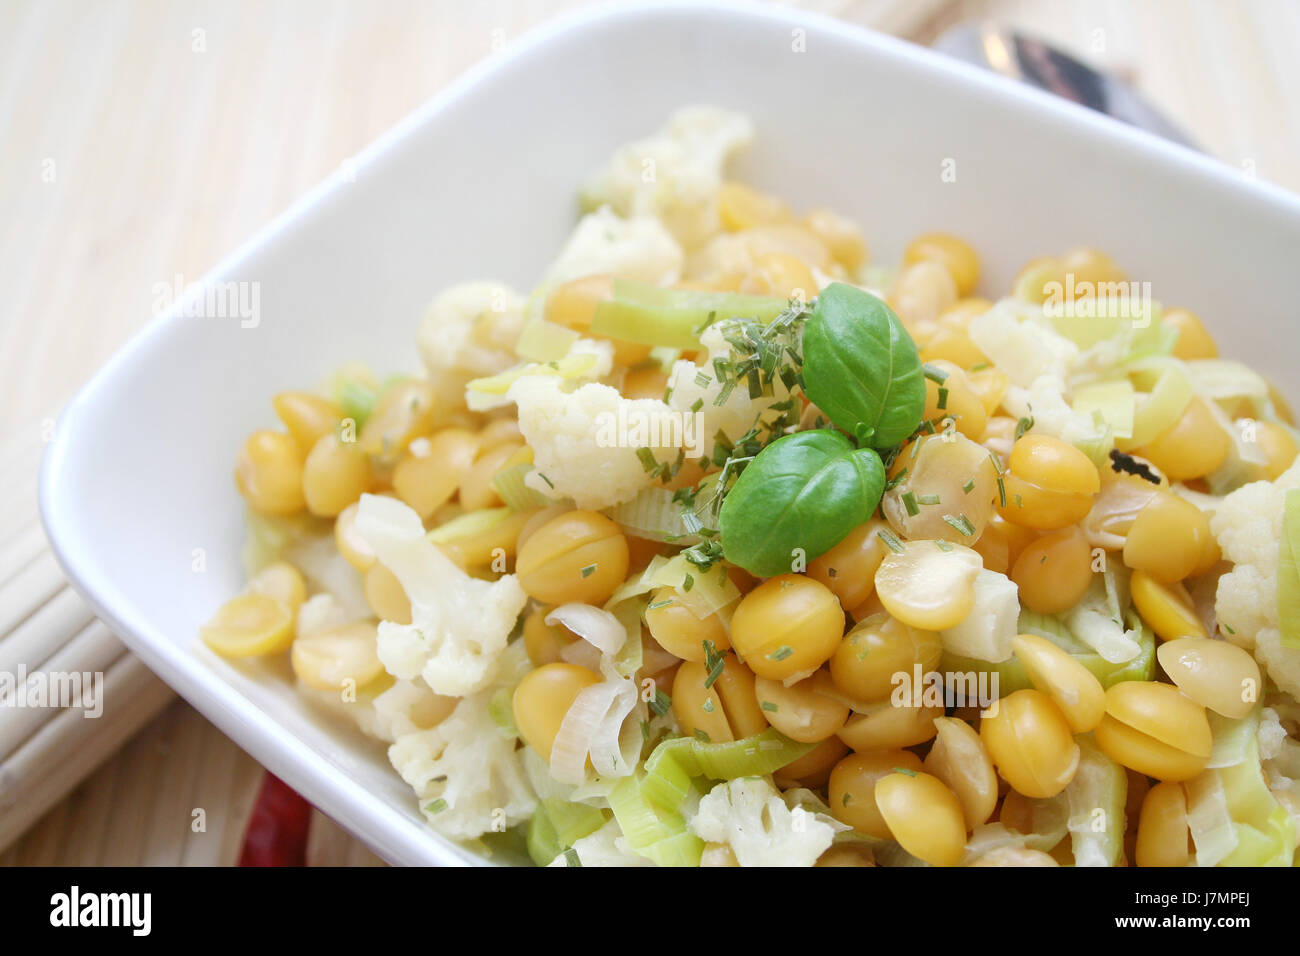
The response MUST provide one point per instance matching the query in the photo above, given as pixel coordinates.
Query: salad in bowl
(727, 544)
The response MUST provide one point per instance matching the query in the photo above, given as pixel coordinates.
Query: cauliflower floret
(674, 174)
(734, 417)
(459, 624)
(585, 442)
(637, 248)
(751, 816)
(468, 777)
(1026, 350)
(469, 332)
(1248, 527)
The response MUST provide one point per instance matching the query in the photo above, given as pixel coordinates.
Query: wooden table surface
(140, 141)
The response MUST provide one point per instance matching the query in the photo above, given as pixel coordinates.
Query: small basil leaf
(860, 367)
(804, 491)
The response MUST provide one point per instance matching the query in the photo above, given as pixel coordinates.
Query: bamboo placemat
(144, 139)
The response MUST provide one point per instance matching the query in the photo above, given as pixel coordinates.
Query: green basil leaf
(861, 368)
(804, 491)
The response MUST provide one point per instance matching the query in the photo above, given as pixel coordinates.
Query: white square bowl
(481, 183)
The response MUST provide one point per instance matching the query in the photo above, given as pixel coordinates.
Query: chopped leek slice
(655, 515)
(518, 495)
(710, 590)
(1113, 401)
(556, 825)
(1163, 406)
(1235, 820)
(569, 367)
(469, 524)
(678, 760)
(542, 341)
(1288, 571)
(1225, 380)
(650, 830)
(1096, 798)
(673, 318)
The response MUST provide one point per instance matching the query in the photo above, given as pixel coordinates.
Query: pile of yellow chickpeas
(815, 654)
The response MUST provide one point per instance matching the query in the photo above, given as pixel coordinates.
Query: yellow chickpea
(385, 595)
(335, 475)
(476, 488)
(1166, 608)
(542, 699)
(924, 816)
(1279, 449)
(813, 769)
(953, 344)
(1002, 543)
(1193, 341)
(1091, 266)
(577, 556)
(743, 207)
(954, 254)
(1163, 835)
(351, 545)
(646, 382)
(847, 854)
(1154, 729)
(1031, 284)
(852, 790)
(849, 568)
(268, 473)
(1049, 484)
(1215, 674)
(1195, 446)
(543, 641)
(1054, 571)
(782, 275)
(788, 625)
(955, 399)
(960, 759)
(923, 292)
(725, 710)
(403, 413)
(805, 711)
(883, 726)
(875, 650)
(1168, 538)
(308, 417)
(1031, 743)
(842, 238)
(678, 631)
(432, 469)
(1071, 686)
